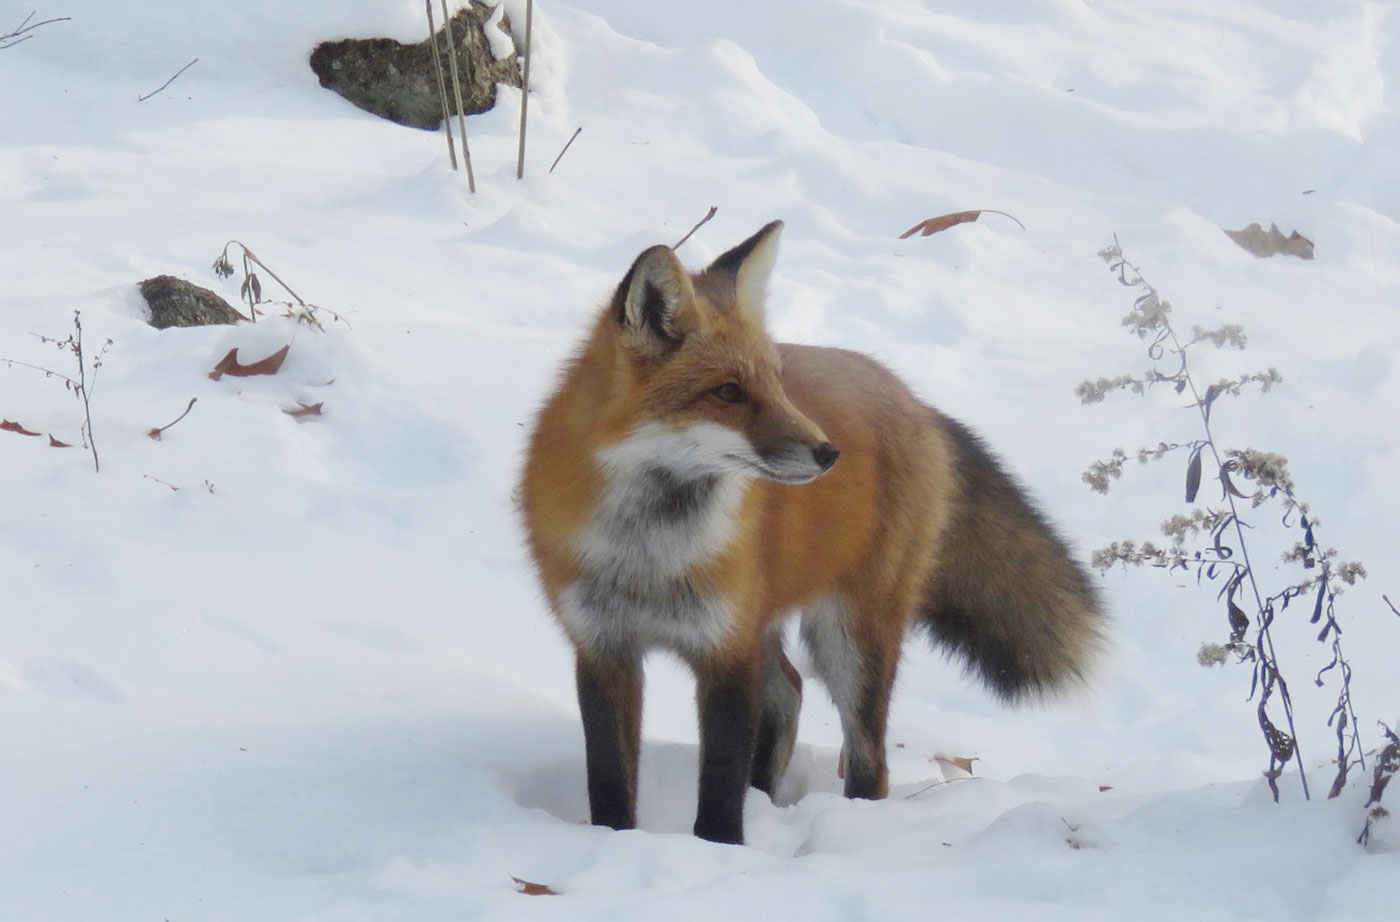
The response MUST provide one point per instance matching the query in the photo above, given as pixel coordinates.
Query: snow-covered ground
(280, 669)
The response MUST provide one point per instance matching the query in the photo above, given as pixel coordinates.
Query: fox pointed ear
(750, 264)
(653, 304)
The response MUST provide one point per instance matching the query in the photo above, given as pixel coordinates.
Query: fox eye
(730, 393)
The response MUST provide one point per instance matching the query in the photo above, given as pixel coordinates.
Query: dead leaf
(943, 222)
(530, 889)
(956, 762)
(1105, 787)
(55, 443)
(9, 426)
(305, 409)
(1264, 243)
(228, 365)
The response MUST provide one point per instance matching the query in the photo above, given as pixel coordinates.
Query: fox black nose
(825, 455)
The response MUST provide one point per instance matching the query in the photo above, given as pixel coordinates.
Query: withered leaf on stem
(228, 365)
(1317, 605)
(532, 889)
(1281, 745)
(943, 222)
(1228, 485)
(10, 426)
(1193, 476)
(1239, 622)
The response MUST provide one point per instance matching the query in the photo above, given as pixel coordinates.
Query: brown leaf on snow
(305, 409)
(55, 443)
(9, 426)
(228, 365)
(530, 889)
(943, 222)
(1270, 242)
(951, 765)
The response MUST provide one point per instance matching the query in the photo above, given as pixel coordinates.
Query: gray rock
(396, 81)
(177, 303)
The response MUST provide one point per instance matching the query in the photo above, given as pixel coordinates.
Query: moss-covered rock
(397, 82)
(177, 303)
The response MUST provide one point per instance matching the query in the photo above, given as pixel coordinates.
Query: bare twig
(172, 486)
(708, 215)
(21, 32)
(566, 148)
(168, 82)
(156, 433)
(81, 386)
(457, 92)
(442, 84)
(937, 784)
(525, 89)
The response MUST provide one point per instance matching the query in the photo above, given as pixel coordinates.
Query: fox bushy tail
(1007, 596)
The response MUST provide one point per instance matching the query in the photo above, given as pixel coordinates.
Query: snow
(293, 669)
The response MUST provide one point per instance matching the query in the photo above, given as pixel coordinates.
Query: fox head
(705, 375)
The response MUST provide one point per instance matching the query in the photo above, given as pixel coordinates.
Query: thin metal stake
(442, 86)
(457, 91)
(525, 90)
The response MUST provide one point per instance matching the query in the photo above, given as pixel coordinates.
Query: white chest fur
(661, 517)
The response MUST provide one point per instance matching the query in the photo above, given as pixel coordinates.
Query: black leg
(610, 701)
(728, 703)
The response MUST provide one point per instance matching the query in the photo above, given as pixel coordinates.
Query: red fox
(690, 483)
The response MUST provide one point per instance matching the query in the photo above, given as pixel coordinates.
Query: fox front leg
(728, 705)
(610, 702)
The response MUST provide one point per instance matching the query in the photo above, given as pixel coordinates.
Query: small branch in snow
(80, 387)
(566, 148)
(708, 215)
(156, 433)
(936, 784)
(21, 32)
(168, 82)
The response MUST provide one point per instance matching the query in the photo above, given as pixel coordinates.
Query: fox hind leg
(781, 693)
(857, 665)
